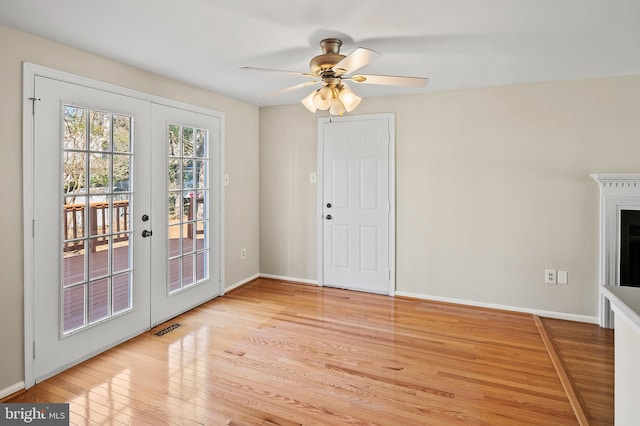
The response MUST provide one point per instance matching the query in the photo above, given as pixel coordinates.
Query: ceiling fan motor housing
(322, 65)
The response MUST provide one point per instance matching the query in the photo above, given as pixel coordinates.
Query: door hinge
(33, 104)
(34, 349)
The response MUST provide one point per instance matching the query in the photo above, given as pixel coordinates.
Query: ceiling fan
(331, 69)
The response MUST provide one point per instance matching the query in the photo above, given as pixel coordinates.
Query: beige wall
(241, 200)
(288, 152)
(492, 187)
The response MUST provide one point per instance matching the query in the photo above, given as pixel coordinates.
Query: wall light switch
(313, 177)
(226, 180)
(563, 277)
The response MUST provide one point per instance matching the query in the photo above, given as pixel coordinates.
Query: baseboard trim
(539, 312)
(289, 279)
(9, 391)
(241, 283)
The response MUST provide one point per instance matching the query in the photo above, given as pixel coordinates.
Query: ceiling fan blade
(390, 80)
(291, 88)
(355, 60)
(279, 71)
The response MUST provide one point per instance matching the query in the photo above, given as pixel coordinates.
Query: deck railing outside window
(74, 219)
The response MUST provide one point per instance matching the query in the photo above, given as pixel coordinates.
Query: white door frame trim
(392, 191)
(30, 71)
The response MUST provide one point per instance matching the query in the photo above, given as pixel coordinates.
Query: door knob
(146, 233)
(328, 205)
(328, 217)
(145, 217)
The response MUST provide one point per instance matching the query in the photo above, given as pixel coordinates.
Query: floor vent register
(166, 330)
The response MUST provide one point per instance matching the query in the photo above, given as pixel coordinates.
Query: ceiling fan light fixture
(325, 92)
(337, 107)
(338, 99)
(322, 98)
(308, 102)
(348, 98)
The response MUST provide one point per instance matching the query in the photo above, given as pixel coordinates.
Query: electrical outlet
(549, 276)
(243, 253)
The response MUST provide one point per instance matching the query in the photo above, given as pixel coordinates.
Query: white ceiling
(456, 43)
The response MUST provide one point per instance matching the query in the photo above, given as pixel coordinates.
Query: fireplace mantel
(617, 192)
(618, 182)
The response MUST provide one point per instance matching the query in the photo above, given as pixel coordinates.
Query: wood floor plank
(587, 353)
(277, 353)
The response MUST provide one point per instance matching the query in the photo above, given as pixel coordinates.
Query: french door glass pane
(121, 292)
(121, 133)
(98, 299)
(99, 257)
(187, 196)
(121, 257)
(97, 195)
(74, 307)
(100, 131)
(174, 275)
(75, 128)
(201, 266)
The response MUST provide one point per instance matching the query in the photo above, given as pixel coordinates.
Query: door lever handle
(146, 233)
(328, 217)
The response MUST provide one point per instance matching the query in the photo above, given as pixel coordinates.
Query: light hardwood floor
(587, 353)
(289, 354)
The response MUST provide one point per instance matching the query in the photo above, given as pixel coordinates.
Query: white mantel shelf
(620, 180)
(625, 300)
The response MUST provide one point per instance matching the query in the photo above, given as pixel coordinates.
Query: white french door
(187, 240)
(91, 189)
(356, 203)
(126, 221)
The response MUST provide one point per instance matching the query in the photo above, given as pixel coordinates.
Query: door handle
(145, 217)
(328, 217)
(146, 233)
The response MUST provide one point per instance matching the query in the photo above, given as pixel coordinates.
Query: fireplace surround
(619, 207)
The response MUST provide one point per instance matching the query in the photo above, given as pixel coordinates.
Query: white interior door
(186, 213)
(356, 204)
(91, 187)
